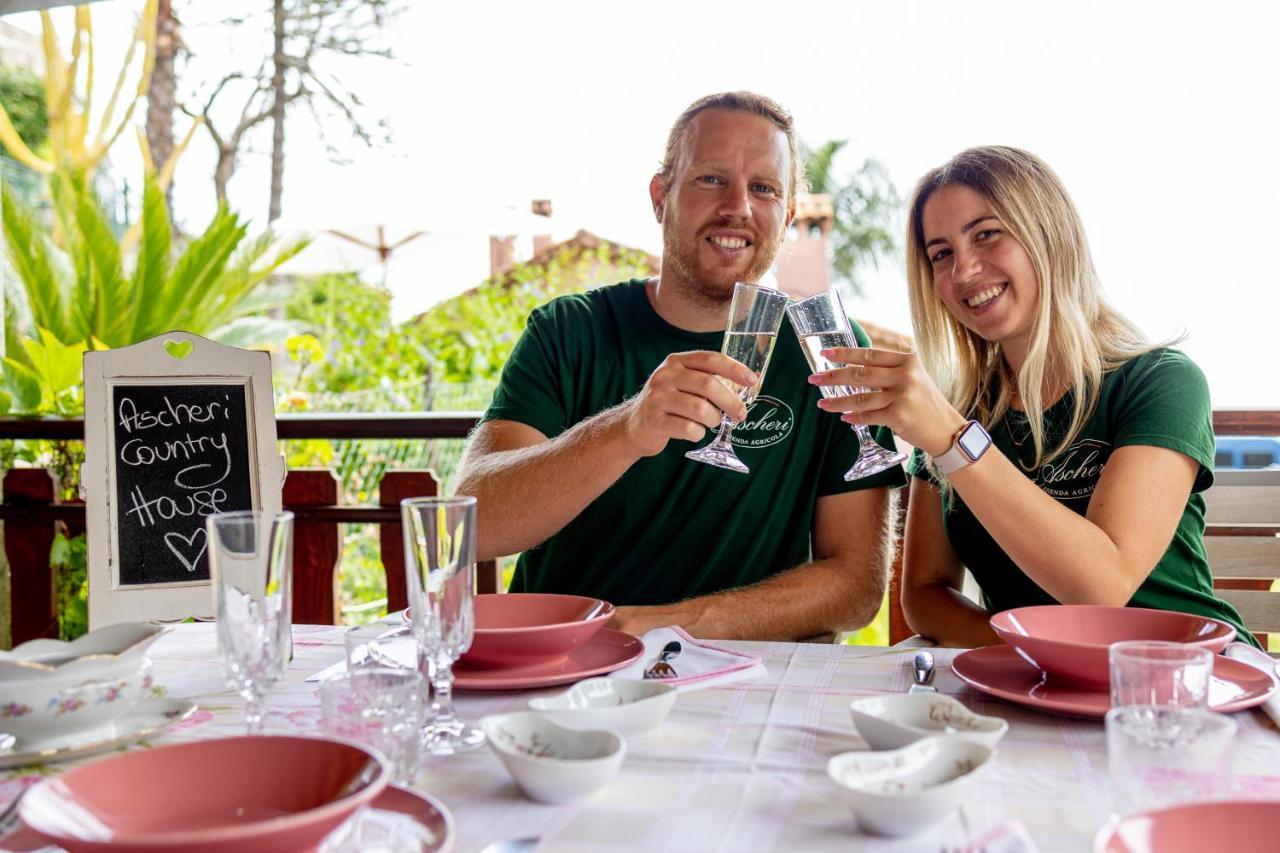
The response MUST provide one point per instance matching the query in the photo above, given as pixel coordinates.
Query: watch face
(973, 441)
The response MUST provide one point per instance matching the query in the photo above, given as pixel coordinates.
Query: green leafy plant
(22, 97)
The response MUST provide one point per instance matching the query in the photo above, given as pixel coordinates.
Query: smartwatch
(967, 447)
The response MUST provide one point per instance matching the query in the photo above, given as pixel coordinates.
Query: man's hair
(1077, 336)
(741, 102)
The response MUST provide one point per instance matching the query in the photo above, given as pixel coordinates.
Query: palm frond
(28, 251)
(147, 287)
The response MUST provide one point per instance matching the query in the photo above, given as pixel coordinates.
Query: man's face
(726, 209)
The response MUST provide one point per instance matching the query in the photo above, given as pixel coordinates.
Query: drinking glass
(821, 323)
(381, 708)
(1159, 673)
(251, 561)
(440, 561)
(1161, 756)
(755, 314)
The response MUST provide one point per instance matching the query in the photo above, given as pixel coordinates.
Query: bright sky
(1158, 117)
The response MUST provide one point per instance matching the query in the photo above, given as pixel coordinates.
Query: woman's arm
(1099, 558)
(932, 577)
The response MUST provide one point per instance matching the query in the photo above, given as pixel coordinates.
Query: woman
(1100, 443)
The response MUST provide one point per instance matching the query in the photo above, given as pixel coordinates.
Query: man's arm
(527, 486)
(840, 590)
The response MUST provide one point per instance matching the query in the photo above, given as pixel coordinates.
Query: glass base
(450, 736)
(720, 455)
(872, 460)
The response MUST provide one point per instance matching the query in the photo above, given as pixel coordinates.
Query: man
(579, 461)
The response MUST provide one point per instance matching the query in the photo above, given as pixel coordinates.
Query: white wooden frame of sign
(152, 363)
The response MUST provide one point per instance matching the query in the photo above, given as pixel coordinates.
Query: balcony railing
(31, 510)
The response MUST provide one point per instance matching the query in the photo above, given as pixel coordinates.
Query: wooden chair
(1242, 538)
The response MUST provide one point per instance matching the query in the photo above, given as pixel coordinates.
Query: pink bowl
(1239, 826)
(516, 629)
(1069, 641)
(242, 793)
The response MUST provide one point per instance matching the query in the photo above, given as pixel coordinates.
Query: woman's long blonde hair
(1077, 336)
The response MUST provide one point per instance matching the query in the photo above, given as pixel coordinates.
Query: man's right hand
(684, 398)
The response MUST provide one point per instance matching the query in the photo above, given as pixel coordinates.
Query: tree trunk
(222, 174)
(277, 112)
(161, 99)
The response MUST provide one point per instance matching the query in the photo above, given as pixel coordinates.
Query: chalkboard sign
(176, 428)
(182, 454)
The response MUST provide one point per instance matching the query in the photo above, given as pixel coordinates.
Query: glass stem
(442, 687)
(254, 708)
(726, 427)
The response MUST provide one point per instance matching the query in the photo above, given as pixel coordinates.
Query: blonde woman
(1060, 457)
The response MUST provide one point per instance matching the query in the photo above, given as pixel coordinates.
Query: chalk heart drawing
(179, 349)
(181, 546)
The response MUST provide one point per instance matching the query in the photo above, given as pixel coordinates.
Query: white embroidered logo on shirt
(769, 421)
(1074, 474)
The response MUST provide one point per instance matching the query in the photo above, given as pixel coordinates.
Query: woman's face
(980, 272)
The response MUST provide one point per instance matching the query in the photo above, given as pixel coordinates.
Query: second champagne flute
(754, 317)
(821, 323)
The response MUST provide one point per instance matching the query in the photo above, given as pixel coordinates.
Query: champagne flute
(755, 314)
(251, 560)
(821, 323)
(440, 563)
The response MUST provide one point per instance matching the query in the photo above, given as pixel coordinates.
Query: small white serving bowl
(895, 720)
(621, 706)
(905, 791)
(50, 689)
(550, 763)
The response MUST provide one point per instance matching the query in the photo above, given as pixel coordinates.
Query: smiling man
(579, 461)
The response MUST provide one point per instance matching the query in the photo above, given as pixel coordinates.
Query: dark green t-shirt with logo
(1159, 399)
(671, 528)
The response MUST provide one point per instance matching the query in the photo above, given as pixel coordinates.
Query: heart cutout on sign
(179, 349)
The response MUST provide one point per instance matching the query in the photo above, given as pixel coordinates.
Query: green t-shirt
(1159, 399)
(671, 528)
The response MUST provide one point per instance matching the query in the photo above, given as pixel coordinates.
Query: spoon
(922, 672)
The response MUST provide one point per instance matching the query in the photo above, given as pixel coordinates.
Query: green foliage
(22, 96)
(866, 210)
(70, 562)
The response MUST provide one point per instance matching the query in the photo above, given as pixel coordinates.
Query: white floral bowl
(622, 706)
(550, 763)
(907, 790)
(50, 689)
(895, 720)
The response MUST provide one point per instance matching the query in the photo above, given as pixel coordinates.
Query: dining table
(735, 767)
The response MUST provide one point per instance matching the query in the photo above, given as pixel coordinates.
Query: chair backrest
(1243, 542)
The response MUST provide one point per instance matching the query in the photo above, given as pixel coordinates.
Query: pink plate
(1070, 641)
(232, 794)
(999, 671)
(529, 628)
(606, 651)
(1241, 827)
(429, 813)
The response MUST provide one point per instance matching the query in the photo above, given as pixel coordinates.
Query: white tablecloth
(740, 767)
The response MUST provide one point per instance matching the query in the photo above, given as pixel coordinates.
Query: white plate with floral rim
(142, 721)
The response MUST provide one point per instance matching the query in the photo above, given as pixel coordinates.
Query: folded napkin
(1246, 653)
(699, 664)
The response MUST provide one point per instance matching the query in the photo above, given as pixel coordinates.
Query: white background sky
(1158, 116)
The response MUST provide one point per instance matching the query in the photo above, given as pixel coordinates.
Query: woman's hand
(899, 395)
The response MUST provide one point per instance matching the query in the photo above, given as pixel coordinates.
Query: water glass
(1152, 672)
(380, 708)
(251, 562)
(755, 314)
(821, 323)
(440, 564)
(1162, 756)
(380, 645)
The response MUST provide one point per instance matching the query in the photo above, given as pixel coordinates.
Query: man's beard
(717, 289)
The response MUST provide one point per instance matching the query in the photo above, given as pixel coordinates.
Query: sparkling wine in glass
(755, 314)
(821, 323)
(440, 564)
(251, 561)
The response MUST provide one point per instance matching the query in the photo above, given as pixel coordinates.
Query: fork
(660, 668)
